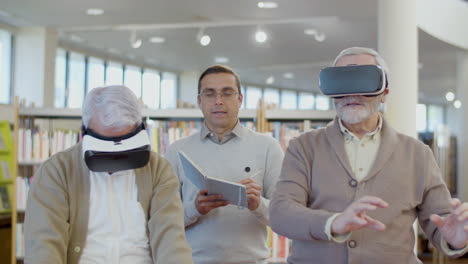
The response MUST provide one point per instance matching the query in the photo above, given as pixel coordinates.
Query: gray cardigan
(317, 181)
(56, 221)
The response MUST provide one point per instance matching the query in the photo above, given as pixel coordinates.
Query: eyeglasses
(212, 95)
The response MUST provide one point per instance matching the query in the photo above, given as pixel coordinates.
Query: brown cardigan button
(353, 183)
(352, 244)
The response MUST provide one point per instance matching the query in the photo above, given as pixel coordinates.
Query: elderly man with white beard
(350, 192)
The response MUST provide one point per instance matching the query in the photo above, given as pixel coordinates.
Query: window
(168, 90)
(271, 96)
(421, 118)
(435, 117)
(133, 79)
(76, 80)
(151, 88)
(322, 102)
(114, 73)
(5, 66)
(60, 77)
(306, 101)
(95, 74)
(243, 99)
(253, 95)
(288, 99)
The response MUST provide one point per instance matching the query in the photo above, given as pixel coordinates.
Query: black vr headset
(367, 80)
(111, 154)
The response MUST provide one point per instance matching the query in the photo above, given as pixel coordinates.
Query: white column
(398, 44)
(34, 65)
(462, 114)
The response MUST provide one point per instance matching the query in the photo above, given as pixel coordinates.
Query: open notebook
(232, 192)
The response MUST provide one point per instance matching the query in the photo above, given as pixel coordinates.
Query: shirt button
(352, 244)
(353, 183)
(77, 249)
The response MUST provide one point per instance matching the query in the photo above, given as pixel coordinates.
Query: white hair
(360, 50)
(112, 106)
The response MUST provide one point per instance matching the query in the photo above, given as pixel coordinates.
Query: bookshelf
(9, 217)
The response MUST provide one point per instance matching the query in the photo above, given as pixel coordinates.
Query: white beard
(356, 114)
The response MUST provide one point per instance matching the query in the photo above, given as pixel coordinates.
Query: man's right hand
(205, 203)
(354, 217)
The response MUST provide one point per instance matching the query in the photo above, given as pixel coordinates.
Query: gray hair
(113, 106)
(360, 50)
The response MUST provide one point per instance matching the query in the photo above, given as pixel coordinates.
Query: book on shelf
(23, 185)
(20, 247)
(6, 192)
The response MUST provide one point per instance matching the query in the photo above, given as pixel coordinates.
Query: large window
(151, 88)
(271, 96)
(322, 102)
(421, 118)
(168, 90)
(253, 95)
(5, 67)
(133, 79)
(435, 117)
(244, 96)
(95, 74)
(60, 77)
(114, 73)
(288, 99)
(306, 101)
(76, 80)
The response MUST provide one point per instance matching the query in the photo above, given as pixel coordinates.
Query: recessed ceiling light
(261, 36)
(319, 36)
(157, 40)
(310, 31)
(221, 60)
(270, 80)
(288, 75)
(95, 11)
(267, 4)
(450, 96)
(457, 104)
(136, 43)
(205, 40)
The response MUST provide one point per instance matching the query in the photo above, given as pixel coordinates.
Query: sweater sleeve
(289, 214)
(166, 227)
(46, 221)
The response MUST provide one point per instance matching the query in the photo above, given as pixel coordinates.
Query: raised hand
(354, 217)
(454, 227)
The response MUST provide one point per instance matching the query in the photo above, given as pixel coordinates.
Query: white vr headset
(111, 154)
(367, 80)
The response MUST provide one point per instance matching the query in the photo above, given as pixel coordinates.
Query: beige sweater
(58, 206)
(317, 181)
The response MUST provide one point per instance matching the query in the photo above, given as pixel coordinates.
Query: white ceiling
(231, 25)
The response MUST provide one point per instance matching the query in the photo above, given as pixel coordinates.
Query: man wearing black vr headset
(350, 192)
(108, 199)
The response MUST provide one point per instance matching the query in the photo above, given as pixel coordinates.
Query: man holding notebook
(219, 232)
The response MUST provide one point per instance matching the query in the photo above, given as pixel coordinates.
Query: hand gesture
(355, 217)
(205, 203)
(253, 191)
(454, 227)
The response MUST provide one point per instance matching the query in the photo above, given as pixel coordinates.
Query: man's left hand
(454, 227)
(254, 192)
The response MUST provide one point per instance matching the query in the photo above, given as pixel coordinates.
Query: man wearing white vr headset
(108, 199)
(350, 192)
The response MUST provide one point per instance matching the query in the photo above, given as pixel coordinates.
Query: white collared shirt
(117, 229)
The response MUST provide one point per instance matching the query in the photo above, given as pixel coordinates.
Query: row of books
(278, 245)
(20, 248)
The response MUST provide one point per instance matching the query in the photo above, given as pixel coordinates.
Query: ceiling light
(205, 40)
(310, 31)
(157, 40)
(270, 80)
(450, 96)
(457, 104)
(319, 36)
(134, 41)
(288, 75)
(260, 36)
(267, 4)
(94, 11)
(221, 60)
